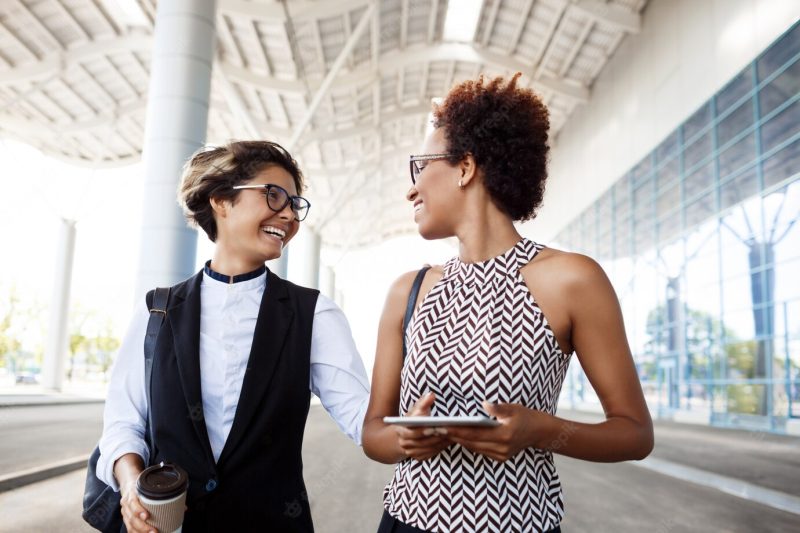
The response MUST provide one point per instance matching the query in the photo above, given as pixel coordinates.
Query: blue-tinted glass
(622, 240)
(641, 172)
(604, 246)
(782, 165)
(697, 122)
(669, 227)
(668, 199)
(781, 127)
(644, 237)
(697, 151)
(700, 210)
(698, 181)
(739, 188)
(735, 123)
(735, 90)
(738, 155)
(782, 88)
(668, 173)
(779, 53)
(668, 148)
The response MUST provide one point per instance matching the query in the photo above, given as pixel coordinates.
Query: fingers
(423, 406)
(135, 515)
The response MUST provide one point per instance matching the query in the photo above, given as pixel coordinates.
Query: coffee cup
(162, 491)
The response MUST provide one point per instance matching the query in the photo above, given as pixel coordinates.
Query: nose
(411, 195)
(286, 213)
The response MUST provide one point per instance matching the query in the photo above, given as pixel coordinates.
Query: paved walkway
(345, 487)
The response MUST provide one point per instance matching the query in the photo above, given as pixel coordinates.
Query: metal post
(55, 354)
(304, 261)
(177, 119)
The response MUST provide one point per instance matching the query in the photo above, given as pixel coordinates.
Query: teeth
(274, 231)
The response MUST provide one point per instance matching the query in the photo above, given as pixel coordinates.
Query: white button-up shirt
(228, 313)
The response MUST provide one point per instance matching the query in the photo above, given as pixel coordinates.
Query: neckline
(231, 280)
(504, 264)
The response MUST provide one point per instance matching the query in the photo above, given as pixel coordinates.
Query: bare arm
(590, 320)
(381, 442)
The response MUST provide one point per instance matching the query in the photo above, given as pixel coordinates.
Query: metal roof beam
(331, 76)
(302, 9)
(609, 14)
(55, 63)
(367, 126)
(400, 59)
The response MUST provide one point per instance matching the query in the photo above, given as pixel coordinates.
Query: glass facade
(701, 240)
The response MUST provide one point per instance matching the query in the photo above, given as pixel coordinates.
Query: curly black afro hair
(504, 127)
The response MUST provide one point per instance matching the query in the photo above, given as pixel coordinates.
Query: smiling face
(436, 195)
(249, 232)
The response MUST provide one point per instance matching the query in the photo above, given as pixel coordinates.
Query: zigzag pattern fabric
(480, 335)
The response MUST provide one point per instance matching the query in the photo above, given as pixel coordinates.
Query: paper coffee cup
(162, 491)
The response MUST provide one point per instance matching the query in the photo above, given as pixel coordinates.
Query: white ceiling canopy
(346, 83)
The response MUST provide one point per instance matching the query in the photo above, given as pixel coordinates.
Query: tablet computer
(440, 421)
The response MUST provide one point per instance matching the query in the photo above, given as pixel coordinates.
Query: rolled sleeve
(126, 404)
(338, 376)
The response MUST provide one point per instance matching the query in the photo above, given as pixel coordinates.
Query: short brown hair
(212, 172)
(504, 127)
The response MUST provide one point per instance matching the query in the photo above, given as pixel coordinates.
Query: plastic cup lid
(162, 481)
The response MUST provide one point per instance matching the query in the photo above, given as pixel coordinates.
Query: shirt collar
(209, 273)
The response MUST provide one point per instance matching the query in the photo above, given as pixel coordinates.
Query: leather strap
(412, 300)
(158, 312)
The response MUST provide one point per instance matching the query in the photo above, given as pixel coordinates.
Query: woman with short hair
(235, 359)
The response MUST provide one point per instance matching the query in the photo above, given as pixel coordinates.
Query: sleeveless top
(480, 335)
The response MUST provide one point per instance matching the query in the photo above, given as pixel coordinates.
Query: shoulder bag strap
(158, 312)
(412, 300)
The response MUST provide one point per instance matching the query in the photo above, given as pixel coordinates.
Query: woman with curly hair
(492, 333)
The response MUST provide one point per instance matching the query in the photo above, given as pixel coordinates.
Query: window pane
(697, 122)
(739, 188)
(735, 123)
(737, 155)
(780, 89)
(669, 227)
(735, 90)
(700, 210)
(779, 53)
(668, 148)
(668, 200)
(699, 150)
(780, 127)
(668, 173)
(698, 181)
(641, 171)
(782, 165)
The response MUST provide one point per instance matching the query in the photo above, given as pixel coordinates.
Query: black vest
(257, 484)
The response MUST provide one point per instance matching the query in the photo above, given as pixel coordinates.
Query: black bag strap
(412, 300)
(158, 312)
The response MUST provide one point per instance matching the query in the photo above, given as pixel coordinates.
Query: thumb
(423, 405)
(499, 410)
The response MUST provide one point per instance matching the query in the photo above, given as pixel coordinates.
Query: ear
(220, 206)
(468, 169)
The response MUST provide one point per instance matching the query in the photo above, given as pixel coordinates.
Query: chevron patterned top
(480, 335)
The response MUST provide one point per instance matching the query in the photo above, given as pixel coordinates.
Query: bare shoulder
(401, 287)
(569, 270)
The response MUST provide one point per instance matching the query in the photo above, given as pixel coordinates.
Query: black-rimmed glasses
(278, 198)
(417, 163)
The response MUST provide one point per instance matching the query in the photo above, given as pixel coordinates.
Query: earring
(461, 183)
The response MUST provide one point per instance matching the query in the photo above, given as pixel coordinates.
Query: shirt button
(211, 485)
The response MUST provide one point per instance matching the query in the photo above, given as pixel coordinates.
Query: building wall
(686, 51)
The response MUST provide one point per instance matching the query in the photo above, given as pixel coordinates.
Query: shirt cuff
(107, 459)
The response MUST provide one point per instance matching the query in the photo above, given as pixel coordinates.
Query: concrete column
(280, 265)
(327, 281)
(176, 123)
(56, 352)
(304, 260)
